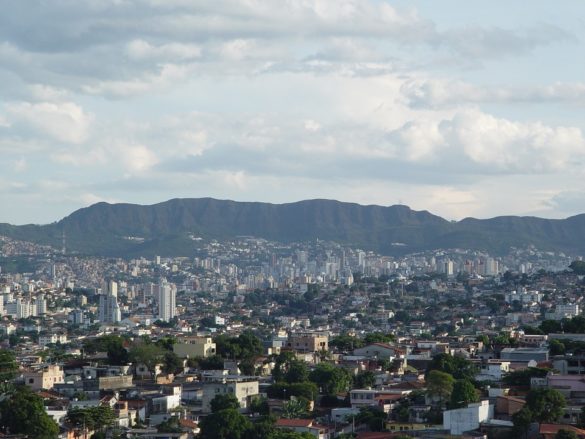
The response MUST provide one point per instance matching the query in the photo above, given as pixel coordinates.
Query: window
(31, 380)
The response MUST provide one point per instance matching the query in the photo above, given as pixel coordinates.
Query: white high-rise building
(41, 303)
(109, 310)
(166, 301)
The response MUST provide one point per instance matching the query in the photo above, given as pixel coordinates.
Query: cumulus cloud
(65, 122)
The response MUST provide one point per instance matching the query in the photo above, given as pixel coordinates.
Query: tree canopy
(8, 365)
(463, 393)
(546, 405)
(456, 366)
(23, 413)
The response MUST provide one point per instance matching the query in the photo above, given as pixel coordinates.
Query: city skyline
(440, 107)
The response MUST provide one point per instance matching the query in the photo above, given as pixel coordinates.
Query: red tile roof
(294, 423)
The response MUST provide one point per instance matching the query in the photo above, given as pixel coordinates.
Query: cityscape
(316, 339)
(292, 219)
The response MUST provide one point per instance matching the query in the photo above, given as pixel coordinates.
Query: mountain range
(169, 228)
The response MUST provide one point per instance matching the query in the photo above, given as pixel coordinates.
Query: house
(549, 431)
(44, 378)
(493, 370)
(244, 388)
(468, 418)
(194, 347)
(308, 342)
(379, 351)
(304, 426)
(507, 406)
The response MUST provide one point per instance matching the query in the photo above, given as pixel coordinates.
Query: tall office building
(109, 310)
(166, 301)
(41, 303)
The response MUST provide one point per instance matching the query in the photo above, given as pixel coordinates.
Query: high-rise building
(166, 301)
(41, 303)
(109, 310)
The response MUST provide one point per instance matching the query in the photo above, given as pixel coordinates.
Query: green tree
(331, 379)
(440, 385)
(297, 372)
(578, 267)
(91, 418)
(148, 354)
(8, 366)
(379, 337)
(523, 377)
(522, 420)
(259, 405)
(171, 362)
(225, 424)
(284, 390)
(463, 393)
(171, 425)
(346, 343)
(556, 347)
(365, 379)
(566, 434)
(295, 408)
(373, 417)
(23, 413)
(454, 365)
(224, 401)
(546, 405)
(551, 326)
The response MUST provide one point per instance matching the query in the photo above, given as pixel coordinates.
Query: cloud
(424, 150)
(65, 122)
(437, 93)
(495, 42)
(567, 201)
(122, 49)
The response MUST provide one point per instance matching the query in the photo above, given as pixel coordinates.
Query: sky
(460, 108)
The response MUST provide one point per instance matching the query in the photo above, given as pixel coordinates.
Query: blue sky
(460, 108)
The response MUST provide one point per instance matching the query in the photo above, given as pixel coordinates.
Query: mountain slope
(165, 228)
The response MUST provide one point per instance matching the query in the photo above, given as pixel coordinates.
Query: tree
(581, 422)
(91, 418)
(456, 366)
(295, 408)
(373, 417)
(171, 362)
(224, 401)
(546, 405)
(225, 424)
(523, 377)
(440, 385)
(551, 326)
(148, 354)
(23, 413)
(365, 379)
(259, 405)
(463, 393)
(281, 364)
(171, 425)
(566, 434)
(246, 345)
(578, 267)
(522, 420)
(8, 366)
(297, 372)
(556, 347)
(346, 343)
(330, 379)
(379, 337)
(283, 390)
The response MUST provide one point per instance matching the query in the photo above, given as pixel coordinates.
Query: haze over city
(443, 106)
